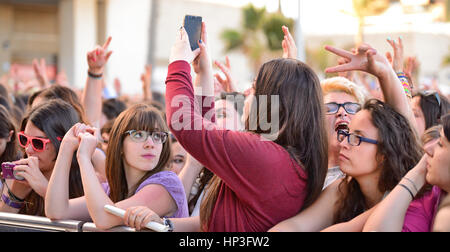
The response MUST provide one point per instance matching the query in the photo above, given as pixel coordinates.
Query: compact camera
(9, 173)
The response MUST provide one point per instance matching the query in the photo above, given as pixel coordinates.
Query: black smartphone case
(193, 27)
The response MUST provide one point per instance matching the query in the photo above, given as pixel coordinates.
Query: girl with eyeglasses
(403, 209)
(262, 181)
(138, 151)
(343, 99)
(375, 154)
(380, 147)
(42, 131)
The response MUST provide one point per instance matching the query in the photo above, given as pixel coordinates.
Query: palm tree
(364, 8)
(260, 35)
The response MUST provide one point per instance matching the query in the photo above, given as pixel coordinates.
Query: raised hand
(202, 64)
(181, 50)
(71, 138)
(40, 70)
(88, 144)
(411, 66)
(364, 59)
(117, 86)
(397, 59)
(98, 58)
(228, 84)
(289, 48)
(146, 79)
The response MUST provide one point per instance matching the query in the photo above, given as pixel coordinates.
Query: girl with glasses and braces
(42, 132)
(343, 99)
(138, 151)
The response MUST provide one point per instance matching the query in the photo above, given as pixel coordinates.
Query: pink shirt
(421, 212)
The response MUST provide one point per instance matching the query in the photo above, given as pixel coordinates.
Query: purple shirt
(170, 181)
(421, 212)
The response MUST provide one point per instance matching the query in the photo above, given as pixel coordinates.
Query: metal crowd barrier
(10, 222)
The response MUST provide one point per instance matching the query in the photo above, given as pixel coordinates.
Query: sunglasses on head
(37, 143)
(350, 107)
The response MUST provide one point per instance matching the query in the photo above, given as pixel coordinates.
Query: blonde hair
(341, 84)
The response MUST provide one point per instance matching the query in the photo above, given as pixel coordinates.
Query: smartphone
(9, 173)
(193, 27)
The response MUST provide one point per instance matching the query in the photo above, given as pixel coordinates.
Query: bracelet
(168, 223)
(412, 195)
(401, 74)
(412, 182)
(13, 204)
(405, 85)
(95, 76)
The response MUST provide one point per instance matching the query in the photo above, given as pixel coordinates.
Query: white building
(62, 31)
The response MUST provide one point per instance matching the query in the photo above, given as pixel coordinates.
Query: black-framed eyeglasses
(350, 107)
(141, 136)
(353, 139)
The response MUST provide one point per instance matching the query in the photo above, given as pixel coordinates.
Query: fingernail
(389, 38)
(200, 41)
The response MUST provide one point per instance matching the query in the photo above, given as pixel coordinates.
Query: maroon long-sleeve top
(262, 185)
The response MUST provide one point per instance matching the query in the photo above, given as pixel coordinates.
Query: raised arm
(40, 70)
(189, 174)
(57, 202)
(228, 84)
(368, 60)
(146, 79)
(202, 65)
(92, 93)
(224, 152)
(290, 50)
(390, 213)
(397, 65)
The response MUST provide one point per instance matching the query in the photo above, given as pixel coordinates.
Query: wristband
(9, 202)
(95, 76)
(414, 185)
(412, 195)
(168, 223)
(406, 87)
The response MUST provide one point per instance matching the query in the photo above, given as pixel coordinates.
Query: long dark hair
(398, 151)
(433, 106)
(137, 117)
(63, 93)
(6, 126)
(301, 119)
(54, 118)
(446, 126)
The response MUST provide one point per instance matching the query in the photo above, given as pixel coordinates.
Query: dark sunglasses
(38, 143)
(353, 139)
(350, 107)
